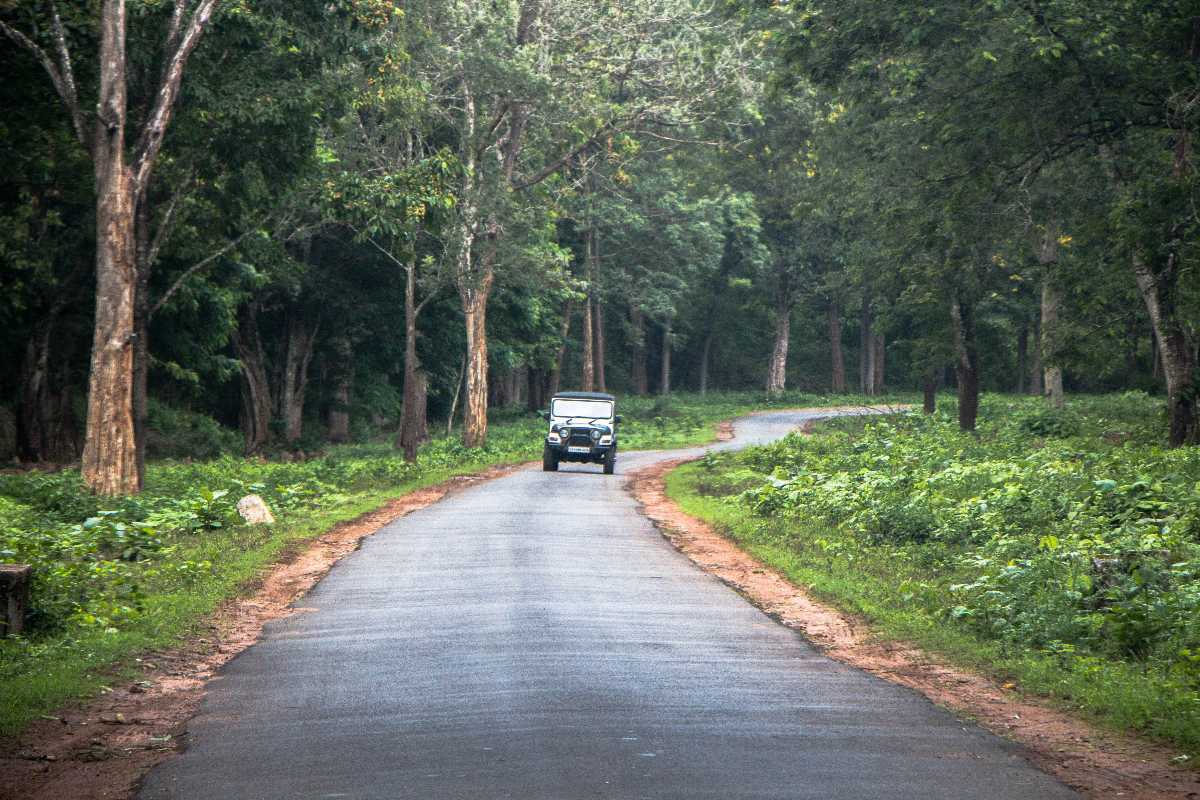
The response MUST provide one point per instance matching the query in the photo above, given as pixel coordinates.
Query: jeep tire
(549, 459)
(610, 461)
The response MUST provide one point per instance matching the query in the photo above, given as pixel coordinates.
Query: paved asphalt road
(535, 638)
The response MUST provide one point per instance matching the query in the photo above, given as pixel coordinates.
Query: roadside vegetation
(118, 577)
(1058, 549)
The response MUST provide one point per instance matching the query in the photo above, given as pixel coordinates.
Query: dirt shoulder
(100, 750)
(1099, 763)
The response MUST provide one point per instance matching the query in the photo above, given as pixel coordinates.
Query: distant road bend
(535, 638)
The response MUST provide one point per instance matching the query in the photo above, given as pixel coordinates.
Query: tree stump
(14, 597)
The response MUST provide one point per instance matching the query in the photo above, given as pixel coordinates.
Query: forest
(317, 223)
(319, 249)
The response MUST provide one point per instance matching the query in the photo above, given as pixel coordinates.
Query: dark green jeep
(583, 427)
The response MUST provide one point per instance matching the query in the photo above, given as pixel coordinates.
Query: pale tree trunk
(588, 367)
(880, 358)
(110, 455)
(837, 358)
(475, 407)
(109, 464)
(641, 379)
(966, 363)
(777, 369)
(564, 329)
(300, 339)
(1051, 338)
(1160, 292)
(705, 354)
(866, 350)
(414, 425)
(339, 413)
(664, 385)
(256, 385)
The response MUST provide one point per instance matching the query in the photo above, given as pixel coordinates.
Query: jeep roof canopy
(585, 396)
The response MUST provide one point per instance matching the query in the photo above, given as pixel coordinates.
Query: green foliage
(1073, 535)
(177, 433)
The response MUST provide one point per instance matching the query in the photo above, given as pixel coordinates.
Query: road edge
(102, 748)
(1096, 762)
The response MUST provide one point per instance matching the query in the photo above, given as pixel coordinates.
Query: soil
(100, 750)
(1098, 763)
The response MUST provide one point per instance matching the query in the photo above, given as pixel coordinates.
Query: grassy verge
(1056, 551)
(116, 579)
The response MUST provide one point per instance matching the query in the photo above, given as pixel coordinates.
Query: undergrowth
(1056, 548)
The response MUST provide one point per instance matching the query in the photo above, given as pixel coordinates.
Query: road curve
(534, 638)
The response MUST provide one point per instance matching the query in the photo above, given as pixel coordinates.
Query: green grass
(117, 579)
(979, 548)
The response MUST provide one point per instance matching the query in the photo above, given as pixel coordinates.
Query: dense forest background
(319, 222)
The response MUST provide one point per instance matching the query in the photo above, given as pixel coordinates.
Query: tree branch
(150, 141)
(68, 77)
(165, 226)
(63, 85)
(192, 270)
(559, 163)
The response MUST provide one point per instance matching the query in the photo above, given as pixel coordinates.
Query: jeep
(583, 427)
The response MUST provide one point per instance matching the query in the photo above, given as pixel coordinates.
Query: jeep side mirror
(618, 418)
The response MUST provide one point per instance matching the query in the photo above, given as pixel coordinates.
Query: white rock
(254, 510)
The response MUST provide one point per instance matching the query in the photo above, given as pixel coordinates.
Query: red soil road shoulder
(100, 750)
(1098, 763)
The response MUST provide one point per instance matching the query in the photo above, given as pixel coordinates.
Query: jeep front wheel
(549, 459)
(610, 461)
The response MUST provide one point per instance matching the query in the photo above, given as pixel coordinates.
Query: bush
(178, 433)
(1043, 530)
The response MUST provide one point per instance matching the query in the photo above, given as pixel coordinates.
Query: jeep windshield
(572, 408)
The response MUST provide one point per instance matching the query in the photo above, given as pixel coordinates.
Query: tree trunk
(837, 358)
(966, 363)
(110, 464)
(880, 347)
(641, 379)
(777, 370)
(564, 329)
(535, 389)
(1051, 338)
(256, 386)
(1160, 290)
(141, 336)
(866, 350)
(414, 423)
(339, 413)
(929, 387)
(588, 381)
(705, 353)
(598, 347)
(1036, 373)
(45, 422)
(300, 339)
(1022, 358)
(664, 386)
(475, 408)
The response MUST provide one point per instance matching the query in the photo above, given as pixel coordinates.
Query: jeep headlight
(595, 436)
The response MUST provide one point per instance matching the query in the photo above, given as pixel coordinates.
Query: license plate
(579, 449)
